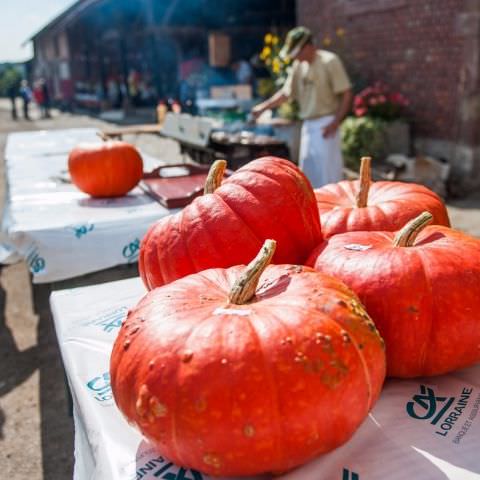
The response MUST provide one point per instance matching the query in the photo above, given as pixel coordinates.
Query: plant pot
(397, 137)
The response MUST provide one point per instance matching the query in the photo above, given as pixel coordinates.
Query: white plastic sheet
(423, 429)
(60, 231)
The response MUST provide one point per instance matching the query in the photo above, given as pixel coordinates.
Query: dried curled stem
(244, 289)
(215, 176)
(407, 235)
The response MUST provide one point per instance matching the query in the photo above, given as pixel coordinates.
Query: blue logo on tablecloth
(131, 250)
(35, 262)
(428, 406)
(182, 474)
(111, 320)
(161, 468)
(100, 388)
(81, 230)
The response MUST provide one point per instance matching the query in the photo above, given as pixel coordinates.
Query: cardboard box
(219, 49)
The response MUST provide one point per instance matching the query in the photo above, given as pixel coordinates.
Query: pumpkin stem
(244, 288)
(365, 180)
(102, 135)
(215, 176)
(407, 235)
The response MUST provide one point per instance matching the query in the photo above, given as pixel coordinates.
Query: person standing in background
(243, 72)
(12, 93)
(46, 98)
(26, 94)
(38, 95)
(320, 85)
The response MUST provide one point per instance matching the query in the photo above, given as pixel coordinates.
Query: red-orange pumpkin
(361, 205)
(108, 169)
(244, 380)
(267, 198)
(421, 292)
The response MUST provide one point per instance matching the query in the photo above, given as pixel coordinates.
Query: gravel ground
(36, 433)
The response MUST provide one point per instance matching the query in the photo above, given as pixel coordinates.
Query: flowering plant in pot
(378, 101)
(378, 125)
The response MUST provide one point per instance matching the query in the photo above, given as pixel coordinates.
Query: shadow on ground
(16, 365)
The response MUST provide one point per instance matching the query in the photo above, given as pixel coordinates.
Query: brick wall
(427, 49)
(413, 45)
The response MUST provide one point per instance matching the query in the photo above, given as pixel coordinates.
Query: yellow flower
(268, 61)
(268, 38)
(327, 41)
(276, 65)
(340, 32)
(266, 52)
(275, 40)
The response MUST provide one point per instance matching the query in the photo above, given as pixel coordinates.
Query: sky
(20, 19)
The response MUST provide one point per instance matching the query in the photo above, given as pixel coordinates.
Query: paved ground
(36, 434)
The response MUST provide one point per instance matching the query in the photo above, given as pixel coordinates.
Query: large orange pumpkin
(360, 205)
(108, 169)
(421, 291)
(267, 198)
(230, 379)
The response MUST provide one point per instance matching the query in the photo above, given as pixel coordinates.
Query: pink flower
(358, 101)
(396, 98)
(360, 112)
(373, 101)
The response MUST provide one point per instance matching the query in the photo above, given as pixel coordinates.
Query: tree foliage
(9, 77)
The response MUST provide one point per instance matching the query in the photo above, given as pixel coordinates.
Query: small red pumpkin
(108, 169)
(267, 198)
(361, 205)
(230, 379)
(421, 291)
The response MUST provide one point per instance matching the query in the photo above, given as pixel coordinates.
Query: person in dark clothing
(46, 99)
(26, 94)
(12, 95)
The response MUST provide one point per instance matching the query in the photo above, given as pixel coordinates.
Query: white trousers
(320, 158)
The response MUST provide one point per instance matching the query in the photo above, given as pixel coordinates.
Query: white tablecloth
(419, 429)
(60, 231)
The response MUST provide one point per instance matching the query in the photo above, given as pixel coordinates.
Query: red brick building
(427, 49)
(93, 42)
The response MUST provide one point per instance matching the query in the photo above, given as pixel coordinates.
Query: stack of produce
(235, 370)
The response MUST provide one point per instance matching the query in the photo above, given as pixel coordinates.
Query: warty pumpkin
(267, 198)
(108, 169)
(363, 205)
(421, 287)
(233, 379)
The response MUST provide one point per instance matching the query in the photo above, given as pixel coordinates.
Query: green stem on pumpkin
(407, 235)
(244, 289)
(215, 176)
(365, 180)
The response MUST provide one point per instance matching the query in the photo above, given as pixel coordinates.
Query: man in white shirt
(322, 89)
